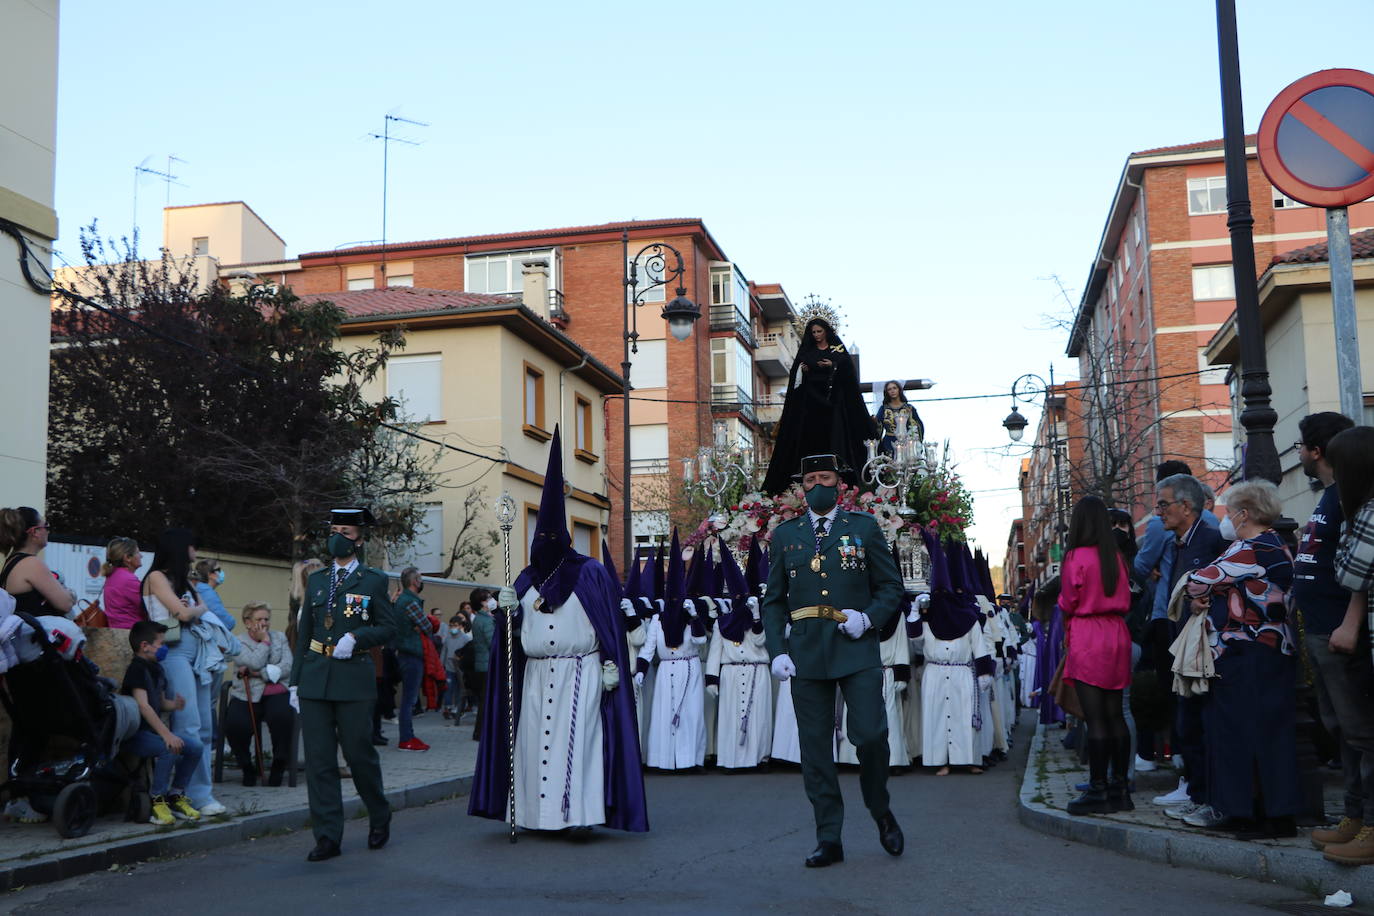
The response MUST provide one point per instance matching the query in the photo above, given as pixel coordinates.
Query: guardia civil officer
(833, 578)
(345, 612)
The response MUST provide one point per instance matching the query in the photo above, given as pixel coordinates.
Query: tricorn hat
(819, 463)
(362, 518)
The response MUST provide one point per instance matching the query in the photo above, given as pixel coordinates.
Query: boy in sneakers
(146, 683)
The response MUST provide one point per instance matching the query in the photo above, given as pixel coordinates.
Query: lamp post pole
(1015, 425)
(680, 313)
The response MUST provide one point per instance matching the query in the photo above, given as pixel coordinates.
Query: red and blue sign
(1316, 141)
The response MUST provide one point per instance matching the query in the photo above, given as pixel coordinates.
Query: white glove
(712, 691)
(922, 601)
(627, 606)
(343, 649)
(855, 623)
(900, 685)
(506, 597)
(913, 616)
(294, 700)
(984, 681)
(272, 673)
(783, 667)
(639, 678)
(753, 604)
(689, 606)
(610, 676)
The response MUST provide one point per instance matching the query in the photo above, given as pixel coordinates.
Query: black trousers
(479, 691)
(275, 711)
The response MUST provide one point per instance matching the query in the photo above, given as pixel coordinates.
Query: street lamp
(1015, 425)
(681, 314)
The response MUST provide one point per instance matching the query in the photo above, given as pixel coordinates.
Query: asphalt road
(719, 844)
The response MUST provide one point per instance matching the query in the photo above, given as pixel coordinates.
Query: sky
(937, 171)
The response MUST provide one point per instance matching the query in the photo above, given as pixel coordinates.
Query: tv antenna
(387, 139)
(142, 169)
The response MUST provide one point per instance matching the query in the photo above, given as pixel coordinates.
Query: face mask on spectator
(489, 604)
(455, 629)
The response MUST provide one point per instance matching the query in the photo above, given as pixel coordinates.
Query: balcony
(728, 318)
(768, 414)
(732, 399)
(775, 353)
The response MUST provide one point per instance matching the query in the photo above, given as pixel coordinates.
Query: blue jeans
(412, 669)
(195, 719)
(166, 781)
(453, 691)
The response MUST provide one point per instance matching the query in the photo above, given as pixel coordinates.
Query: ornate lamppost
(680, 313)
(1015, 425)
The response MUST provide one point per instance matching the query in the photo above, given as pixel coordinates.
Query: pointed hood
(650, 585)
(948, 616)
(735, 587)
(756, 568)
(634, 585)
(608, 562)
(673, 617)
(554, 565)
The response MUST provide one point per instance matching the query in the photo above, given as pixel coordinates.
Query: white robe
(1026, 661)
(677, 727)
(635, 639)
(949, 696)
(559, 753)
(994, 725)
(911, 711)
(894, 651)
(744, 729)
(786, 741)
(708, 702)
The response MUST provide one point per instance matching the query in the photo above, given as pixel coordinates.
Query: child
(455, 638)
(145, 682)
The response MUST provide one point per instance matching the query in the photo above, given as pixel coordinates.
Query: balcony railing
(776, 352)
(733, 399)
(729, 318)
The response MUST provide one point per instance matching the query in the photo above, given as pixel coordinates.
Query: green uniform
(337, 695)
(855, 571)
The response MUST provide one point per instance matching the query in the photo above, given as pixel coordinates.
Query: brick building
(1159, 288)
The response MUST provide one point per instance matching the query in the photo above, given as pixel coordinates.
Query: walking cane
(505, 517)
(253, 721)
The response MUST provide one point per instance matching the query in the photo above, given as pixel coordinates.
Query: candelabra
(716, 468)
(913, 561)
(896, 470)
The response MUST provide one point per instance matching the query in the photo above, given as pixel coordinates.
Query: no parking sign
(1316, 141)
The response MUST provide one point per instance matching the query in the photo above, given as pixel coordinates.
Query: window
(1206, 195)
(502, 273)
(1215, 282)
(721, 287)
(1126, 258)
(531, 526)
(649, 270)
(649, 448)
(534, 399)
(427, 550)
(582, 424)
(200, 245)
(1209, 374)
(415, 383)
(650, 529)
(649, 367)
(1220, 450)
(1283, 201)
(400, 279)
(732, 364)
(584, 539)
(360, 283)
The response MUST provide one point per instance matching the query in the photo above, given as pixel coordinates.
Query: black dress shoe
(890, 835)
(378, 740)
(377, 836)
(826, 853)
(325, 848)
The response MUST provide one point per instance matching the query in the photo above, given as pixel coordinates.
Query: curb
(176, 842)
(1303, 869)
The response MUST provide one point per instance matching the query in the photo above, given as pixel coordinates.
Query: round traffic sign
(1316, 140)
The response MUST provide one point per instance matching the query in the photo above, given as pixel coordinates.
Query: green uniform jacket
(869, 583)
(361, 607)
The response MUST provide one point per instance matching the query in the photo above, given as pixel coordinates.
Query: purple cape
(626, 808)
(1049, 650)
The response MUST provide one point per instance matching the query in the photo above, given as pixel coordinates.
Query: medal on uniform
(539, 603)
(816, 563)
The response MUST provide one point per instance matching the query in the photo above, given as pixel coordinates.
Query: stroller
(67, 725)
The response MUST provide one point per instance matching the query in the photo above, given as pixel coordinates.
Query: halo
(816, 307)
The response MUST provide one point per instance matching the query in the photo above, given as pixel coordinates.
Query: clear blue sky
(926, 166)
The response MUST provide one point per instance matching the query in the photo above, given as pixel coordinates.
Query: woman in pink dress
(120, 598)
(1095, 597)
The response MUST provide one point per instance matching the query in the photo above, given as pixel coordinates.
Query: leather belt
(823, 611)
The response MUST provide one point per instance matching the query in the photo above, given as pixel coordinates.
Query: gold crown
(816, 307)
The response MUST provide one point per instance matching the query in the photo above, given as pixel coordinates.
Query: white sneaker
(211, 809)
(1205, 816)
(1177, 797)
(1142, 765)
(20, 810)
(1178, 762)
(1184, 811)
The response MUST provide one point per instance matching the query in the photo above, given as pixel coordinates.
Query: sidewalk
(1048, 785)
(35, 854)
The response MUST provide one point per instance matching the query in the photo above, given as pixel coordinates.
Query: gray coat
(257, 656)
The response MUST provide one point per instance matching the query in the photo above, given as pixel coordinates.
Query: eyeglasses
(40, 527)
(1298, 445)
(1166, 503)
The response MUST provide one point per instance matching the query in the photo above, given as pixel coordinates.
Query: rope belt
(677, 713)
(977, 703)
(749, 704)
(572, 726)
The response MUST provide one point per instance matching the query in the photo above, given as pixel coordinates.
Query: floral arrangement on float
(937, 501)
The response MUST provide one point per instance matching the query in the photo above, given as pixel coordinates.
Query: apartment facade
(1159, 288)
(28, 150)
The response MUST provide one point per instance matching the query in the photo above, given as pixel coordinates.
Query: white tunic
(911, 716)
(559, 758)
(894, 651)
(744, 732)
(786, 741)
(949, 696)
(635, 639)
(1026, 661)
(677, 728)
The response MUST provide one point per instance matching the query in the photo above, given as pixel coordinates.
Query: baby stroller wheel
(74, 811)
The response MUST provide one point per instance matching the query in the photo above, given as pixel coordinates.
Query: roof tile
(1361, 246)
(406, 300)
